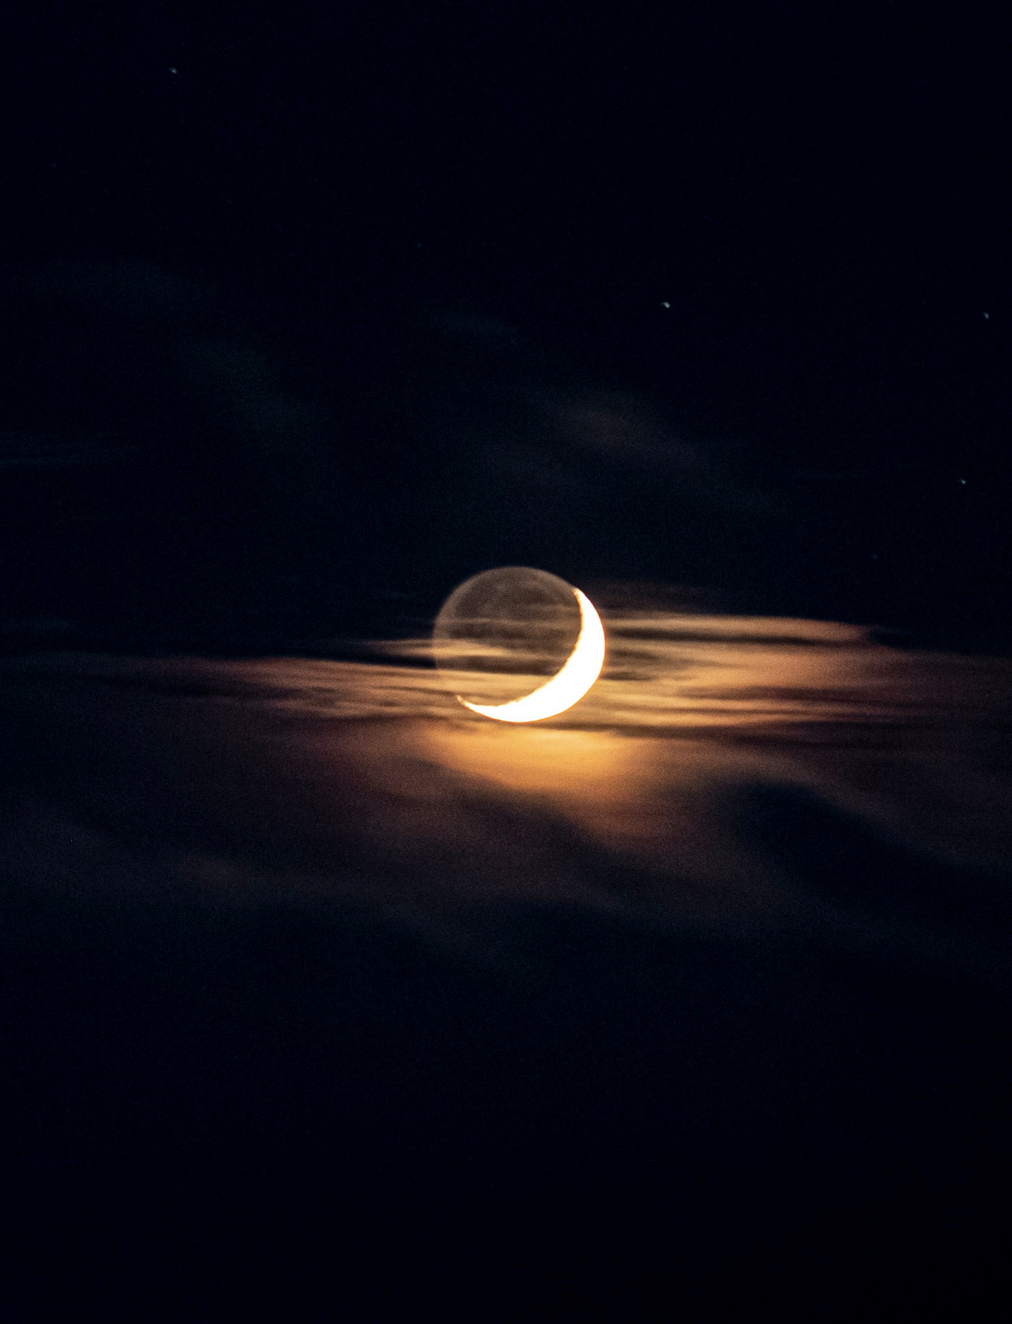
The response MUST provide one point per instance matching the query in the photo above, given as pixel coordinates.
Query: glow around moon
(568, 686)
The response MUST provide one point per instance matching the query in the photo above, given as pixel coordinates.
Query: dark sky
(772, 235)
(310, 311)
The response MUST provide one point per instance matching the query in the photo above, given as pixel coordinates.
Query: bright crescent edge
(569, 684)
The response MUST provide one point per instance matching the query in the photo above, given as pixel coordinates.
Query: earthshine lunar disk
(578, 672)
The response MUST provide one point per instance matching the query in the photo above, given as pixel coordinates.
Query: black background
(778, 228)
(309, 311)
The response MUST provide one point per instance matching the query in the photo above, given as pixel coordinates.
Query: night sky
(310, 311)
(325, 998)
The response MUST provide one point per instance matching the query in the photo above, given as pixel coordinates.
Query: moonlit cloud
(296, 777)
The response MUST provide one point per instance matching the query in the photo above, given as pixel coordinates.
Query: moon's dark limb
(502, 627)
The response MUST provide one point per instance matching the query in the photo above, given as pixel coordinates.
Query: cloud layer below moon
(305, 777)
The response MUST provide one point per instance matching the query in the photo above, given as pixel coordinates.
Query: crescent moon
(568, 686)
